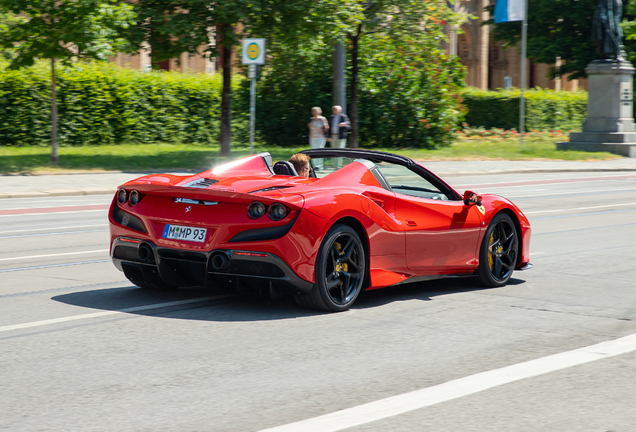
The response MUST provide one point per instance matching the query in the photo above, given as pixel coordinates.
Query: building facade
(488, 63)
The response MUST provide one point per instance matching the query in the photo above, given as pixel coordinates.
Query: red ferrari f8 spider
(362, 220)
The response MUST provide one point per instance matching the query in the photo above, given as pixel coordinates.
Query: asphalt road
(81, 349)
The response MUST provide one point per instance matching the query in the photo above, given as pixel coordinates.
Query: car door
(442, 235)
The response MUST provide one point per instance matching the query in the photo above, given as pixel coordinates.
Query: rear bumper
(220, 266)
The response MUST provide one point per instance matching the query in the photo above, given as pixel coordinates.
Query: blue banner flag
(509, 10)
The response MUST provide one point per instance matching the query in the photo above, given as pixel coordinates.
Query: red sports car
(362, 220)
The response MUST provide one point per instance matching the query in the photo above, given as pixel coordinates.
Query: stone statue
(607, 32)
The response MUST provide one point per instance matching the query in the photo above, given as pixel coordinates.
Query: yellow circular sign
(253, 51)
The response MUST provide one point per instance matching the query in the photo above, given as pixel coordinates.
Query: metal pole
(453, 50)
(522, 102)
(339, 93)
(252, 112)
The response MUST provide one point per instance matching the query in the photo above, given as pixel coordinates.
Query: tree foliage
(172, 27)
(65, 30)
(559, 28)
(401, 24)
(408, 96)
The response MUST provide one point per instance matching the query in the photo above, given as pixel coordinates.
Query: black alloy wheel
(340, 270)
(499, 252)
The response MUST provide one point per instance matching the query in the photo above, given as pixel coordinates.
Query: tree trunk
(226, 101)
(54, 155)
(353, 111)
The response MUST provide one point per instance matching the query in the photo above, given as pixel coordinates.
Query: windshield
(404, 181)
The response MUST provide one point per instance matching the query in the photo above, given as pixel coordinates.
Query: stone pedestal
(610, 123)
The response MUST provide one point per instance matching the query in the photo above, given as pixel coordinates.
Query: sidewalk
(27, 186)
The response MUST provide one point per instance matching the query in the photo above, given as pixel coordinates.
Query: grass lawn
(129, 157)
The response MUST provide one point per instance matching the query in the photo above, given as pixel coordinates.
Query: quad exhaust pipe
(220, 261)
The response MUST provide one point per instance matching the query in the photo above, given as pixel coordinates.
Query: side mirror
(471, 198)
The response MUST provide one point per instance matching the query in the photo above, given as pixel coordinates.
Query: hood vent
(200, 183)
(270, 189)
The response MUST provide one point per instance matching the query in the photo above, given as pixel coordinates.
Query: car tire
(498, 252)
(340, 270)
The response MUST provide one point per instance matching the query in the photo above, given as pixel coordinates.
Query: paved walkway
(21, 186)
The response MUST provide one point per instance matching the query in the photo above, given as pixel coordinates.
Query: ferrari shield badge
(482, 210)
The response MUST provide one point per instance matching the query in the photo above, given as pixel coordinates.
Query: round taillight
(122, 196)
(277, 212)
(134, 198)
(256, 210)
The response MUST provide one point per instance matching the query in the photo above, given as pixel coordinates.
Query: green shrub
(105, 104)
(545, 109)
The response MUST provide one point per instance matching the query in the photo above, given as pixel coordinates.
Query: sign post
(517, 10)
(253, 55)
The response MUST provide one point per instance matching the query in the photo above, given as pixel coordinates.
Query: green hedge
(545, 109)
(105, 104)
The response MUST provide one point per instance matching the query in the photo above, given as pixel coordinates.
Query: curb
(104, 191)
(58, 192)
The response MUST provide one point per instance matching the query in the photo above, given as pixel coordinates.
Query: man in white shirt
(339, 125)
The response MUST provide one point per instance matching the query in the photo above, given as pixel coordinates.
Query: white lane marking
(580, 208)
(508, 187)
(582, 214)
(78, 198)
(52, 265)
(54, 233)
(558, 181)
(418, 399)
(54, 228)
(81, 204)
(537, 253)
(106, 313)
(54, 255)
(573, 193)
(54, 213)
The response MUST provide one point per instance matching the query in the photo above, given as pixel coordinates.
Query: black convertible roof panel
(371, 155)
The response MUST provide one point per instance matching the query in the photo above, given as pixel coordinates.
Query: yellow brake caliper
(345, 266)
(490, 252)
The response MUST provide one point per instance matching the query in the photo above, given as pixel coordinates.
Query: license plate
(178, 232)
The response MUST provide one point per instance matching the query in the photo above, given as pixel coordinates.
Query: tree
(408, 96)
(62, 30)
(404, 22)
(629, 29)
(174, 27)
(557, 28)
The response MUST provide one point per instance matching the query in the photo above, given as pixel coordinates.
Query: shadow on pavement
(250, 308)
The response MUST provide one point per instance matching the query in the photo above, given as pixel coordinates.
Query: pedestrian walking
(339, 126)
(318, 128)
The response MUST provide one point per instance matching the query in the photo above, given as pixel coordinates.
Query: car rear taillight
(122, 196)
(277, 212)
(256, 210)
(134, 198)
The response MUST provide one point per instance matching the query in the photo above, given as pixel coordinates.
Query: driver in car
(301, 164)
